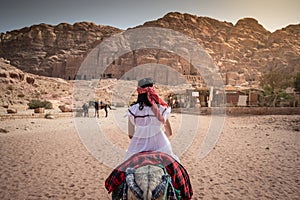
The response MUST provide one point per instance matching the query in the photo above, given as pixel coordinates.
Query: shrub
(39, 104)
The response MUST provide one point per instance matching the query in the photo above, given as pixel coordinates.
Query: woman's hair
(142, 99)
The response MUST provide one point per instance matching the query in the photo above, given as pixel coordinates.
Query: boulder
(30, 80)
(39, 110)
(11, 111)
(65, 108)
(49, 116)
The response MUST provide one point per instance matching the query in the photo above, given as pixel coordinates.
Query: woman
(146, 119)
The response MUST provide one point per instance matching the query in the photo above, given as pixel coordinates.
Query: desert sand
(255, 157)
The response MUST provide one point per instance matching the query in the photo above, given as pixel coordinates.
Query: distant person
(146, 119)
(85, 108)
(96, 105)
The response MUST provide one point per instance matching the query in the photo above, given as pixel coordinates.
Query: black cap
(146, 82)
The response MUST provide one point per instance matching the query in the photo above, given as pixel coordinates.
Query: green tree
(297, 83)
(274, 85)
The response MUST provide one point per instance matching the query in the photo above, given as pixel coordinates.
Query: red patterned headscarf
(154, 99)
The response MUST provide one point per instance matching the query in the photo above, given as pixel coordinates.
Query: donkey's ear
(160, 189)
(130, 181)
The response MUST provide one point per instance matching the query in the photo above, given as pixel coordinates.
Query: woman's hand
(130, 129)
(168, 129)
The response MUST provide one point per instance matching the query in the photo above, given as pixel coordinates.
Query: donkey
(100, 106)
(146, 184)
(149, 176)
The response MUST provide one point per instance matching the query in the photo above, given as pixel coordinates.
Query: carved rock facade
(241, 52)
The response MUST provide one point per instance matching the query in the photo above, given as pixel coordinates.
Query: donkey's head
(145, 183)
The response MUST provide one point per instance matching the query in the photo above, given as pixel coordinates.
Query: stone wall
(242, 110)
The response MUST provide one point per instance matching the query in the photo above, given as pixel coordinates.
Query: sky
(123, 14)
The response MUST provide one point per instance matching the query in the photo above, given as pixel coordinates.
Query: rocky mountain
(242, 51)
(48, 50)
(18, 88)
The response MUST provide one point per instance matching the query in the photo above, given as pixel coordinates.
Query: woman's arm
(168, 129)
(130, 129)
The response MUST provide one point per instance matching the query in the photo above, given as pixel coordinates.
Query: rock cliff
(242, 51)
(52, 50)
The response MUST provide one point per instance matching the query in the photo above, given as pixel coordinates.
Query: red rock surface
(242, 51)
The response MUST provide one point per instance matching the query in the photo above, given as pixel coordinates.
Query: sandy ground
(255, 157)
